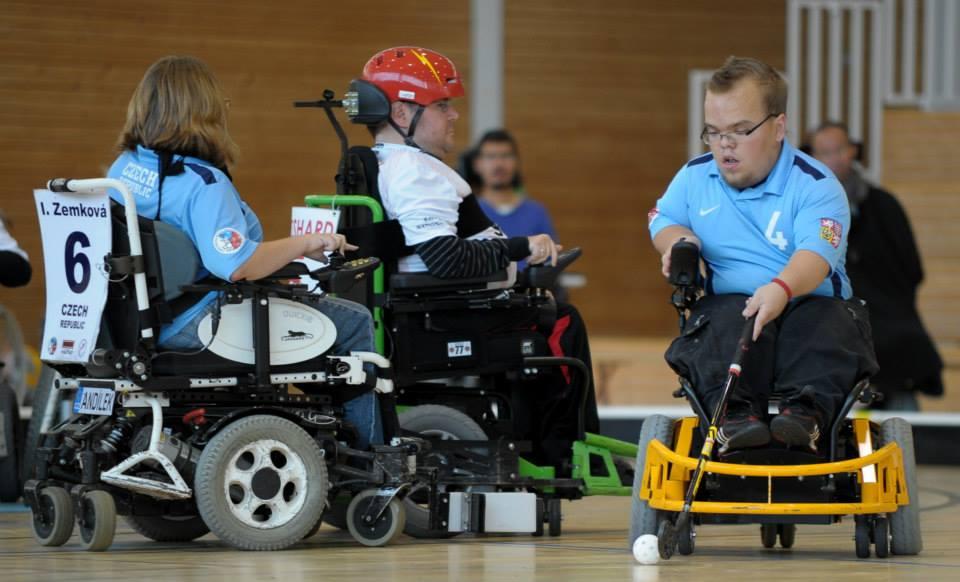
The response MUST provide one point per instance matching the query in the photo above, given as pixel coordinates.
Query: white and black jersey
(424, 195)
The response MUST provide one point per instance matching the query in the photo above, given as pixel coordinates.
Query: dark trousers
(547, 411)
(819, 342)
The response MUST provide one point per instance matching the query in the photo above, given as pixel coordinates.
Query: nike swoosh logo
(708, 210)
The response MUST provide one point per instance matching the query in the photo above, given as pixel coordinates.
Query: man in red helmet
(435, 209)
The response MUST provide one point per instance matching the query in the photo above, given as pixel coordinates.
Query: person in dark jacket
(885, 269)
(15, 268)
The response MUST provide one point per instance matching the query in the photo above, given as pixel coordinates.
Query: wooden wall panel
(67, 70)
(920, 168)
(596, 96)
(598, 100)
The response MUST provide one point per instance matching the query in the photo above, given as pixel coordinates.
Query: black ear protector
(367, 104)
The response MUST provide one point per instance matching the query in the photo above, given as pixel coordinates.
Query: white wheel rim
(440, 434)
(265, 484)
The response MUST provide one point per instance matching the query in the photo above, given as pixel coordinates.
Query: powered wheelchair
(464, 355)
(244, 438)
(864, 469)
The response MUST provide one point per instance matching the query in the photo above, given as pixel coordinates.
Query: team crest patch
(227, 241)
(831, 231)
(652, 215)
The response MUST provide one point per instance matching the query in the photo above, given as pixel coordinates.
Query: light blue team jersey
(749, 235)
(201, 202)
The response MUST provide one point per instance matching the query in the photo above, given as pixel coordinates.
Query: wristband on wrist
(785, 287)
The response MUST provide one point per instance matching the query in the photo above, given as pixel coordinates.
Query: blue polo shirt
(203, 203)
(749, 235)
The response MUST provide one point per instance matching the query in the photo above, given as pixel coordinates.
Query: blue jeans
(354, 326)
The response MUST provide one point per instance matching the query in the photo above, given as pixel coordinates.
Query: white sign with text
(76, 235)
(307, 220)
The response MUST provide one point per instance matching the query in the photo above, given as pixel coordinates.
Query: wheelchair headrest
(366, 104)
(179, 260)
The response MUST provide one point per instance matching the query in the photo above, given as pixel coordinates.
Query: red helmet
(413, 74)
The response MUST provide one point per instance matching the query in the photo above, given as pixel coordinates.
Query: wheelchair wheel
(788, 535)
(97, 520)
(261, 483)
(643, 518)
(9, 444)
(686, 539)
(378, 533)
(861, 536)
(554, 517)
(768, 535)
(906, 539)
(44, 396)
(881, 537)
(53, 518)
(336, 513)
(442, 423)
(168, 528)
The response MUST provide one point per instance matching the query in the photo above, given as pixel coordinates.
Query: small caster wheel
(666, 539)
(861, 536)
(686, 539)
(768, 535)
(541, 517)
(881, 537)
(97, 520)
(53, 518)
(788, 534)
(554, 517)
(375, 533)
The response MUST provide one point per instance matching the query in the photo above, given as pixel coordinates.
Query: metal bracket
(158, 489)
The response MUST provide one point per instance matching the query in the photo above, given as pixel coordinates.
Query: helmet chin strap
(408, 136)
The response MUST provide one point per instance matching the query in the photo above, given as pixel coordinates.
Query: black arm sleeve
(451, 257)
(15, 270)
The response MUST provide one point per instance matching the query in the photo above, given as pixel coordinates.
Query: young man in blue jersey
(772, 226)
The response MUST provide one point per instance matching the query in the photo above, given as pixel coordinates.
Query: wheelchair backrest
(170, 260)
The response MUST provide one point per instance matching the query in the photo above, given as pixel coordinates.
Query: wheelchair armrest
(410, 282)
(545, 276)
(289, 271)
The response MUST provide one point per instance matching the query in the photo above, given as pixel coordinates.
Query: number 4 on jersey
(776, 239)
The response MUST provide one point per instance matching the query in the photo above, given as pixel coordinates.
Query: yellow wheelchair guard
(880, 474)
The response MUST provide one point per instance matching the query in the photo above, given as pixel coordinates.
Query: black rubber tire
(861, 536)
(41, 398)
(554, 517)
(906, 537)
(336, 513)
(686, 539)
(666, 539)
(643, 518)
(211, 488)
(768, 535)
(385, 530)
(98, 521)
(10, 485)
(164, 528)
(881, 537)
(788, 535)
(435, 421)
(55, 526)
(541, 517)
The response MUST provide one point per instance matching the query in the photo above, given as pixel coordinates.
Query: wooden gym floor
(592, 548)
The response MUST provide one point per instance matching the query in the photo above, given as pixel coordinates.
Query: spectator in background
(15, 268)
(885, 269)
(495, 165)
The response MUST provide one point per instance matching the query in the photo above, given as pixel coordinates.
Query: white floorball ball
(645, 549)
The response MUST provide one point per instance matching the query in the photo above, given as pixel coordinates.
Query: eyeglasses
(714, 137)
